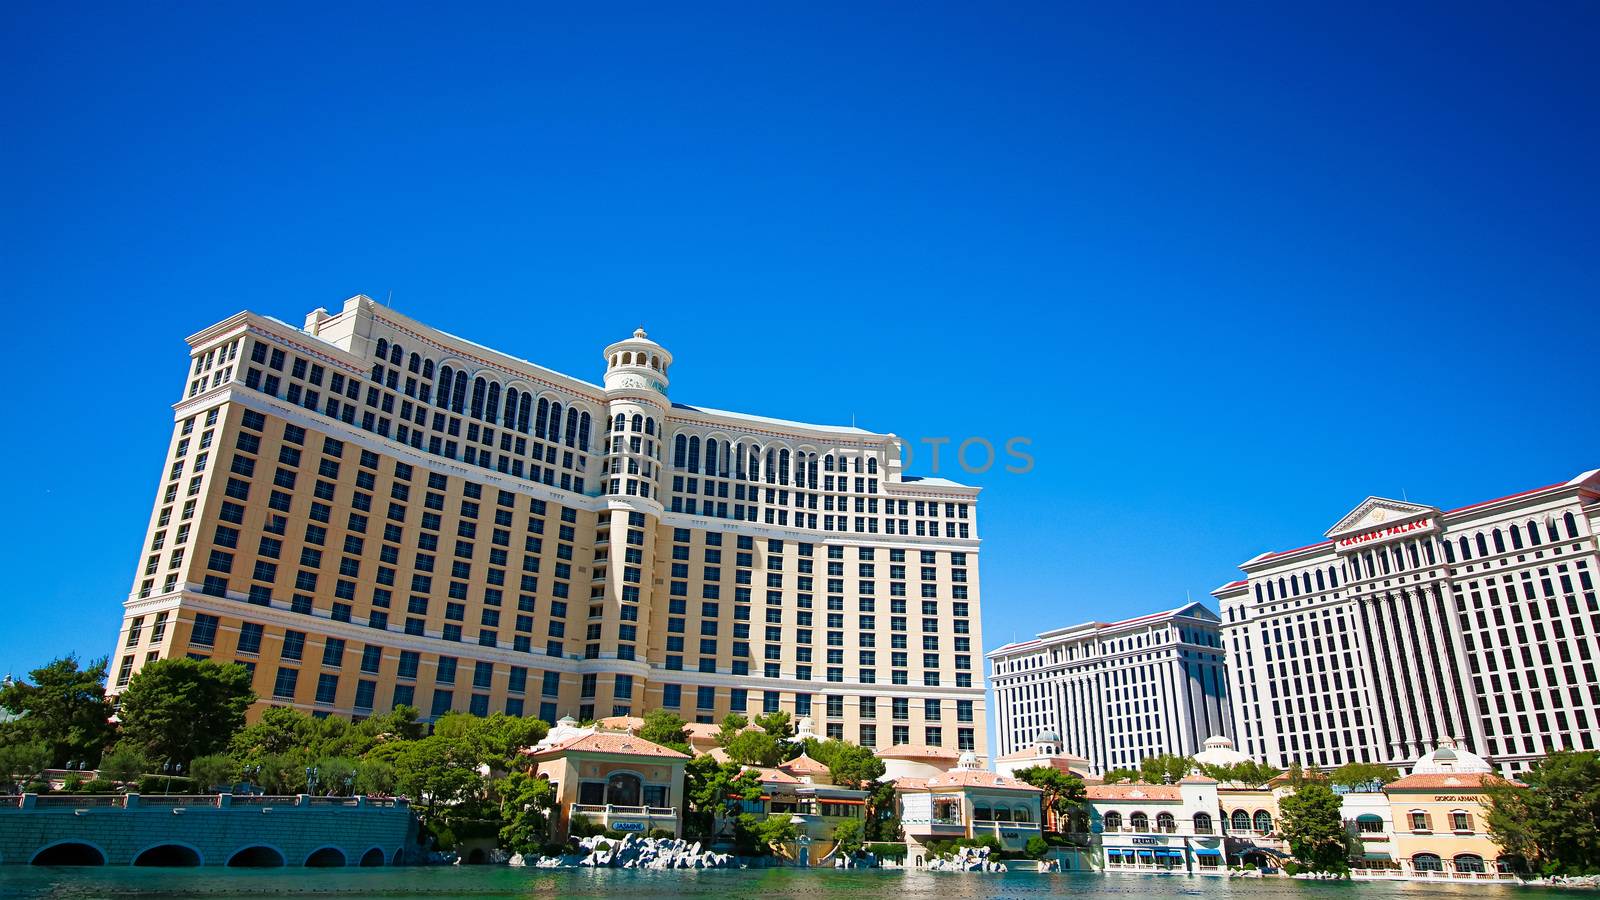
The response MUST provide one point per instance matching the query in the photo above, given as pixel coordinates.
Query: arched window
(522, 412)
(1022, 814)
(694, 454)
(583, 431)
(1483, 545)
(1139, 821)
(1258, 592)
(1427, 862)
(783, 467)
(1165, 822)
(492, 414)
(541, 417)
(1202, 823)
(415, 364)
(1263, 821)
(772, 466)
(1572, 525)
(395, 355)
(1240, 821)
(511, 407)
(1449, 551)
(1427, 547)
(1466, 549)
(1113, 821)
(1469, 862)
(555, 422)
(479, 389)
(427, 368)
(1499, 541)
(1516, 538)
(383, 348)
(458, 395)
(1321, 585)
(445, 376)
(572, 426)
(711, 457)
(624, 789)
(650, 425)
(1333, 577)
(680, 452)
(1533, 534)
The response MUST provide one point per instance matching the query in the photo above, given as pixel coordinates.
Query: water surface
(27, 883)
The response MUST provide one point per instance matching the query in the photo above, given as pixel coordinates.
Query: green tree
(1553, 822)
(755, 835)
(375, 777)
(1248, 772)
(849, 765)
(20, 763)
(1355, 774)
(732, 724)
(777, 723)
(181, 708)
(336, 776)
(124, 764)
(525, 805)
(1311, 823)
(1037, 847)
(715, 791)
(756, 748)
(280, 775)
(278, 732)
(882, 820)
(63, 707)
(494, 741)
(438, 773)
(1063, 791)
(213, 770)
(849, 835)
(665, 727)
(1119, 776)
(1166, 768)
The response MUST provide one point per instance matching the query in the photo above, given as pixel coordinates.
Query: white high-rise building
(1410, 625)
(1115, 692)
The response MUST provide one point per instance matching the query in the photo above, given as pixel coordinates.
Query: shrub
(37, 787)
(72, 784)
(660, 833)
(98, 786)
(165, 784)
(1037, 847)
(895, 852)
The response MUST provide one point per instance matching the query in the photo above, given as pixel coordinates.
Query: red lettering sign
(1391, 531)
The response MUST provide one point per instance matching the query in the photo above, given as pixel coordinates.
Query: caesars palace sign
(1381, 533)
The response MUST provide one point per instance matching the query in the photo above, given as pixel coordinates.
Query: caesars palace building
(368, 512)
(1409, 625)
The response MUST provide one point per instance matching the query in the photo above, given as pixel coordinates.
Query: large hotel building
(1409, 625)
(1117, 692)
(368, 512)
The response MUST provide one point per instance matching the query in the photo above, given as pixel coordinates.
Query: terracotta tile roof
(956, 778)
(621, 723)
(1197, 779)
(910, 784)
(719, 754)
(604, 742)
(772, 776)
(1433, 781)
(804, 765)
(1158, 792)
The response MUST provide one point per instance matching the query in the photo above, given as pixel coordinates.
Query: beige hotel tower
(368, 512)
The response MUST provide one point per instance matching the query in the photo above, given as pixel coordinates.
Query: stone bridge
(204, 830)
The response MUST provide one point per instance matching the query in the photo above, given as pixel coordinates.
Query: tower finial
(639, 332)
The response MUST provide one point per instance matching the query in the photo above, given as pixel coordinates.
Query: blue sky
(1229, 269)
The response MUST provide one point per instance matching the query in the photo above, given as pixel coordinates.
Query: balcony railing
(991, 824)
(655, 812)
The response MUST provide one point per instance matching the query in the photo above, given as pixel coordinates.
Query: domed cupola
(637, 363)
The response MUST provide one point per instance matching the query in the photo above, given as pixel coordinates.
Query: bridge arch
(69, 852)
(257, 856)
(328, 857)
(373, 858)
(169, 854)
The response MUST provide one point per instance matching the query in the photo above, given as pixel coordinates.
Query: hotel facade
(368, 512)
(1115, 693)
(1409, 626)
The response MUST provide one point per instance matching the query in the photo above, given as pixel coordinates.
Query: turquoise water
(24, 883)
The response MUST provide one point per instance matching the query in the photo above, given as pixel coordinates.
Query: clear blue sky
(1231, 270)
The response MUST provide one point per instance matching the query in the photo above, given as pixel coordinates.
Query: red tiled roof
(956, 778)
(613, 743)
(804, 765)
(1134, 792)
(1436, 780)
(917, 751)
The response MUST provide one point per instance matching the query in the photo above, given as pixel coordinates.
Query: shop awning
(1207, 851)
(1169, 853)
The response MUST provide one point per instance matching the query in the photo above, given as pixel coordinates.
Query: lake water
(127, 883)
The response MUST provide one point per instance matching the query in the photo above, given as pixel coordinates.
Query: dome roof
(1047, 737)
(1448, 758)
(1219, 751)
